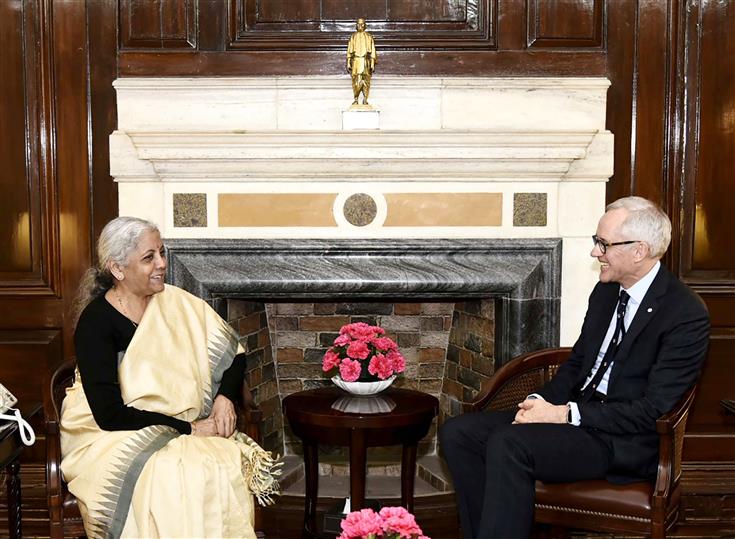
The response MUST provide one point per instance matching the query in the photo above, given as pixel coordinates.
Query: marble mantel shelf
(437, 155)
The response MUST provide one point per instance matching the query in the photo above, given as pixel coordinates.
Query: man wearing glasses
(641, 347)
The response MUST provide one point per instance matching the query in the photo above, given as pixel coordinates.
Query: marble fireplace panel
(523, 273)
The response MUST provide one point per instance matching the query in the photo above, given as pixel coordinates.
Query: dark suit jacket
(658, 361)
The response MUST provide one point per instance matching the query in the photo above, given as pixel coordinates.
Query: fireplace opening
(449, 348)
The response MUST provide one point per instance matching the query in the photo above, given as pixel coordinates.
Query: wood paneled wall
(44, 208)
(671, 107)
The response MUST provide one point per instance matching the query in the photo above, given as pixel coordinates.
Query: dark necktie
(612, 348)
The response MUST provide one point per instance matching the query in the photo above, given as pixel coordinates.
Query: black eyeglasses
(603, 245)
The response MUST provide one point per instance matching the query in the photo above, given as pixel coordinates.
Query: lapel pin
(650, 309)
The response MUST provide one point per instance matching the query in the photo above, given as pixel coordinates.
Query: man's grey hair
(645, 222)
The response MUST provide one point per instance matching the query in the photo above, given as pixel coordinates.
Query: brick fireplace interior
(449, 349)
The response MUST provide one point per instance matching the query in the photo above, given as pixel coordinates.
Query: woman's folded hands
(221, 422)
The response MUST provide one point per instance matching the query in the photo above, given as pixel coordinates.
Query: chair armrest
(671, 427)
(518, 378)
(54, 486)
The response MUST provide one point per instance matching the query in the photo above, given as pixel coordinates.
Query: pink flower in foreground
(397, 360)
(380, 366)
(352, 329)
(361, 524)
(384, 344)
(399, 520)
(361, 331)
(330, 361)
(349, 370)
(342, 340)
(358, 350)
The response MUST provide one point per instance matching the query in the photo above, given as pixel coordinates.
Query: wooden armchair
(643, 507)
(65, 520)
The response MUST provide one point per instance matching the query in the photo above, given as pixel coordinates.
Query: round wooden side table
(314, 420)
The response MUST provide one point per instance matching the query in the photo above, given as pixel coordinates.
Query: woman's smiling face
(146, 266)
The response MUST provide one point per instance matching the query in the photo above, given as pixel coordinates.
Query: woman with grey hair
(148, 438)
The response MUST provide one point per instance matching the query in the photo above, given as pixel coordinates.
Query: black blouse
(102, 332)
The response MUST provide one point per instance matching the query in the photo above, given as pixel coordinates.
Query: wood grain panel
(710, 428)
(438, 10)
(287, 10)
(710, 143)
(158, 24)
(346, 10)
(28, 261)
(69, 74)
(102, 32)
(15, 214)
(428, 63)
(621, 96)
(566, 23)
(326, 24)
(653, 83)
(26, 356)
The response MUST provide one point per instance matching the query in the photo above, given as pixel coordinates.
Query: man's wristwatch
(569, 414)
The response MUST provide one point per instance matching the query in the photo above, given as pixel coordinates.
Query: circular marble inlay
(360, 209)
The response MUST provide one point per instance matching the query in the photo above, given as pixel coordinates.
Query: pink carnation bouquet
(363, 352)
(389, 523)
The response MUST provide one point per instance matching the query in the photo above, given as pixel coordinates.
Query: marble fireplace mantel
(237, 159)
(522, 274)
(357, 155)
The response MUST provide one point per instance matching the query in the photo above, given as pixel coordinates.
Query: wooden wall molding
(30, 264)
(578, 25)
(165, 24)
(323, 24)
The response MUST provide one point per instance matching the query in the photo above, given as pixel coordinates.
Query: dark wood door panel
(28, 257)
(44, 106)
(709, 145)
(566, 23)
(26, 356)
(158, 24)
(710, 428)
(721, 306)
(449, 38)
(324, 24)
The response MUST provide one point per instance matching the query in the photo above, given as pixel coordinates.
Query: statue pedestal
(360, 117)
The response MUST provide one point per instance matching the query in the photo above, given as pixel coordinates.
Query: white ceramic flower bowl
(363, 388)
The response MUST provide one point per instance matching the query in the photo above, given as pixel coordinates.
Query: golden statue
(361, 57)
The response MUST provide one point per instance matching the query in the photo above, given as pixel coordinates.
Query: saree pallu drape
(155, 482)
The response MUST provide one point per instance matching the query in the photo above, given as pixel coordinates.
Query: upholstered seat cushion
(633, 499)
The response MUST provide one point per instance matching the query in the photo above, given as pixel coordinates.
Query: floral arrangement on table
(389, 523)
(363, 352)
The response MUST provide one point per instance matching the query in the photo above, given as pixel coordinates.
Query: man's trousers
(495, 464)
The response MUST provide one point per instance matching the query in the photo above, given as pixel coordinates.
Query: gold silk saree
(155, 482)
